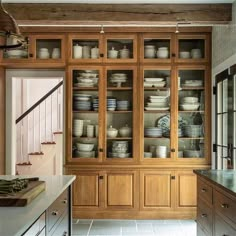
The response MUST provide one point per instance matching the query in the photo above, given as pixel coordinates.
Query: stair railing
(27, 124)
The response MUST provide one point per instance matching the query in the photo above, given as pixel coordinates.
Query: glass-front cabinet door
(156, 48)
(156, 113)
(225, 114)
(120, 48)
(85, 127)
(85, 48)
(193, 114)
(192, 48)
(120, 103)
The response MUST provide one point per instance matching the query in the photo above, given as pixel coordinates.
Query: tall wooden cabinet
(157, 85)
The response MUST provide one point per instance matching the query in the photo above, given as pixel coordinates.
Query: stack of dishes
(95, 103)
(120, 149)
(111, 103)
(189, 104)
(88, 78)
(167, 133)
(161, 151)
(82, 102)
(118, 78)
(191, 153)
(154, 82)
(123, 105)
(77, 129)
(152, 132)
(84, 150)
(193, 83)
(157, 103)
(192, 131)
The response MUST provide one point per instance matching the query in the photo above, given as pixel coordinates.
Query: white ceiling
(121, 1)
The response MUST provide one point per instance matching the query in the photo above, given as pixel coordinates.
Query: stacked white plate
(167, 133)
(118, 78)
(157, 103)
(192, 131)
(152, 132)
(111, 104)
(77, 129)
(120, 149)
(82, 102)
(84, 150)
(95, 103)
(122, 105)
(193, 83)
(154, 82)
(189, 104)
(192, 153)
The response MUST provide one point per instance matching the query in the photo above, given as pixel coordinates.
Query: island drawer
(225, 206)
(204, 216)
(204, 191)
(222, 228)
(56, 210)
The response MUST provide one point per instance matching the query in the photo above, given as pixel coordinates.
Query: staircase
(40, 137)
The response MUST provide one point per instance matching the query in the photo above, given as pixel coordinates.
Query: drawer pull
(65, 234)
(203, 215)
(55, 213)
(65, 201)
(203, 190)
(224, 205)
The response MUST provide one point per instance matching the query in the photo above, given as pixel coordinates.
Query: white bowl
(147, 154)
(86, 147)
(189, 100)
(85, 154)
(189, 107)
(16, 53)
(184, 55)
(112, 133)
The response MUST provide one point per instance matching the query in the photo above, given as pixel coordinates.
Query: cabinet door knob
(172, 149)
(100, 150)
(100, 177)
(55, 213)
(224, 205)
(31, 55)
(65, 201)
(203, 215)
(65, 234)
(203, 190)
(173, 54)
(101, 55)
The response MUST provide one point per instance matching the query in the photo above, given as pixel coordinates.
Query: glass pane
(157, 120)
(225, 160)
(48, 48)
(219, 129)
(219, 97)
(234, 130)
(156, 48)
(119, 113)
(225, 95)
(120, 48)
(219, 157)
(85, 48)
(234, 92)
(191, 48)
(85, 114)
(225, 129)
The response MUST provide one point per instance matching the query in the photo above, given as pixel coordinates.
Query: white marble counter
(14, 221)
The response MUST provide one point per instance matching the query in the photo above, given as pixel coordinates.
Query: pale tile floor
(134, 227)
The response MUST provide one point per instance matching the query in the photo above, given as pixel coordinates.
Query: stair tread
(58, 132)
(36, 153)
(48, 143)
(24, 164)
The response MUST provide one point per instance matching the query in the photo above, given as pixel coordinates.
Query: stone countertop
(222, 178)
(14, 221)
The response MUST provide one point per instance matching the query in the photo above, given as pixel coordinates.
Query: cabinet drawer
(201, 231)
(62, 228)
(204, 216)
(222, 228)
(57, 209)
(204, 191)
(38, 225)
(225, 205)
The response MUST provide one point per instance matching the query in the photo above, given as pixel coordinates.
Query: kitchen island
(48, 214)
(216, 202)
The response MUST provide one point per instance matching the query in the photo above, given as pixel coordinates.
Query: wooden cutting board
(25, 196)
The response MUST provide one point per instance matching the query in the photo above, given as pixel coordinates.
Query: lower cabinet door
(156, 189)
(186, 189)
(86, 189)
(121, 189)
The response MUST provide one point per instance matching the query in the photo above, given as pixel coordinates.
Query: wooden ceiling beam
(67, 14)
